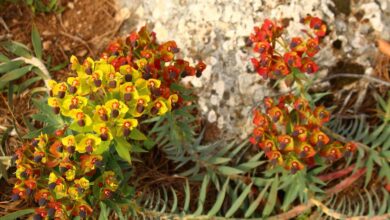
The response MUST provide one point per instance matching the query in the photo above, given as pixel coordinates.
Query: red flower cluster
(141, 53)
(297, 53)
(288, 130)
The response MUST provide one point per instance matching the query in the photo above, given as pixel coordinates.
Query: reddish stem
(346, 182)
(336, 174)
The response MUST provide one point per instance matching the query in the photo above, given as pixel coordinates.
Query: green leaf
(218, 203)
(11, 65)
(370, 166)
(115, 207)
(256, 203)
(17, 214)
(14, 74)
(113, 164)
(291, 195)
(229, 170)
(187, 196)
(202, 195)
(386, 200)
(250, 165)
(174, 206)
(104, 211)
(218, 160)
(123, 148)
(271, 201)
(23, 86)
(137, 135)
(238, 202)
(3, 58)
(36, 42)
(59, 67)
(16, 48)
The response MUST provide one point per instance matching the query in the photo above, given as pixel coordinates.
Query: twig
(4, 24)
(379, 217)
(297, 210)
(326, 210)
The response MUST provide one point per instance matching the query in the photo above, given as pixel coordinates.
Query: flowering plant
(67, 173)
(278, 58)
(288, 129)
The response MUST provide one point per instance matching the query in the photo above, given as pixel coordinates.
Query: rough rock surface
(215, 31)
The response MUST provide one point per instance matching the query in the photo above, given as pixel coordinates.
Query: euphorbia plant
(288, 128)
(67, 173)
(279, 57)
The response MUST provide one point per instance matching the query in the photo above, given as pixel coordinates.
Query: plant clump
(67, 173)
(288, 129)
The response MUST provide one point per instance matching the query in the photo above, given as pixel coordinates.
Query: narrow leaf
(14, 74)
(229, 170)
(36, 42)
(202, 195)
(238, 202)
(11, 65)
(271, 197)
(17, 214)
(218, 203)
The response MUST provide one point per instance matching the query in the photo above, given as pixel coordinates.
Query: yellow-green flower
(55, 103)
(124, 126)
(95, 80)
(142, 87)
(81, 121)
(110, 180)
(158, 107)
(74, 193)
(103, 131)
(73, 102)
(89, 162)
(129, 73)
(113, 80)
(40, 141)
(88, 66)
(137, 106)
(82, 182)
(87, 143)
(172, 102)
(100, 114)
(69, 143)
(59, 89)
(21, 172)
(70, 173)
(128, 91)
(74, 63)
(116, 108)
(78, 85)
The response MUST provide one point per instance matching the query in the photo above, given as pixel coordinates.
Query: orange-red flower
(292, 59)
(308, 66)
(312, 47)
